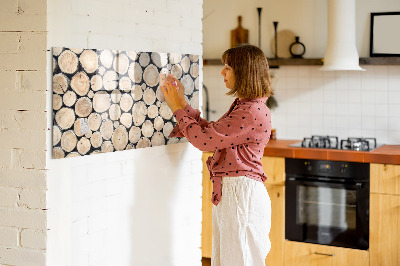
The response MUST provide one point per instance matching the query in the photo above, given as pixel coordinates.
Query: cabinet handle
(325, 254)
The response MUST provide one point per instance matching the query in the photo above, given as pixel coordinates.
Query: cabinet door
(385, 178)
(304, 254)
(206, 232)
(277, 233)
(384, 236)
(274, 168)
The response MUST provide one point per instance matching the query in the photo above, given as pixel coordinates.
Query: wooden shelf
(273, 63)
(212, 62)
(380, 61)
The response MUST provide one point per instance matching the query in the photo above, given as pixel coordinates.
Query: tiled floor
(206, 261)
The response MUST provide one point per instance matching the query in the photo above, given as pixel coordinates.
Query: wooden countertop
(389, 154)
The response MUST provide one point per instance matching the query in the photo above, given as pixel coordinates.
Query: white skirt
(241, 223)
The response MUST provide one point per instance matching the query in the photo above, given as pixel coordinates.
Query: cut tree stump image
(110, 100)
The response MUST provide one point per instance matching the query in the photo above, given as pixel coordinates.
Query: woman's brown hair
(250, 66)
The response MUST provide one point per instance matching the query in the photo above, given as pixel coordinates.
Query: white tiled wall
(136, 207)
(342, 103)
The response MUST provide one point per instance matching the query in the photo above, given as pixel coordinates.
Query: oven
(327, 202)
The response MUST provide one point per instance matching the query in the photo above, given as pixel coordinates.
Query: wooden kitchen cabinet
(274, 168)
(206, 225)
(305, 254)
(384, 237)
(385, 178)
(277, 233)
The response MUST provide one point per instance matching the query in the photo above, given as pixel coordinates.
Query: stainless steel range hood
(341, 51)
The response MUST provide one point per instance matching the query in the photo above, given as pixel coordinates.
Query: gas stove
(332, 142)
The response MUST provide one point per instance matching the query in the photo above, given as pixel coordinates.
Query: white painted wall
(137, 207)
(311, 102)
(305, 18)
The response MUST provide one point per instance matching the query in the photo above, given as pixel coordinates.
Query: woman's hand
(181, 91)
(174, 93)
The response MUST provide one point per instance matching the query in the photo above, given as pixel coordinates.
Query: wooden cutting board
(239, 35)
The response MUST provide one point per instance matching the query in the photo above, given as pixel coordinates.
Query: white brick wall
(9, 237)
(23, 132)
(23, 256)
(8, 197)
(33, 239)
(137, 207)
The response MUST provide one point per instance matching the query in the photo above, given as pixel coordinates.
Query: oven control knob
(308, 166)
(343, 168)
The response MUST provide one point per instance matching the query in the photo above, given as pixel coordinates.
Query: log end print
(110, 100)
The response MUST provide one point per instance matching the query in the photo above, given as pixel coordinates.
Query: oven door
(327, 213)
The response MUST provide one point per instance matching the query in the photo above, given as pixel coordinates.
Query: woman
(242, 208)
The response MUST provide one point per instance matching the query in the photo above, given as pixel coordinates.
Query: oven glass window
(327, 207)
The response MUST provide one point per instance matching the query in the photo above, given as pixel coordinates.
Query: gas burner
(358, 144)
(327, 142)
(332, 142)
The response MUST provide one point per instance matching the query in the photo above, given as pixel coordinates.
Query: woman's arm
(238, 128)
